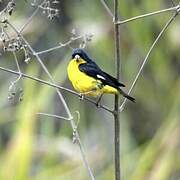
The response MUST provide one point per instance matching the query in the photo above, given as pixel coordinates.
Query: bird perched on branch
(88, 79)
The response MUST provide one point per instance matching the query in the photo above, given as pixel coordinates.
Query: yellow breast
(86, 84)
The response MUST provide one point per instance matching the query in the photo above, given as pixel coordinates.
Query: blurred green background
(39, 147)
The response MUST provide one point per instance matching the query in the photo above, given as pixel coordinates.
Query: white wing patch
(100, 77)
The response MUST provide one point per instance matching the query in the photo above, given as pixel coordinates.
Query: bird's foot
(81, 96)
(98, 103)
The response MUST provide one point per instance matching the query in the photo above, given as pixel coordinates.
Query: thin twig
(18, 67)
(43, 66)
(81, 149)
(16, 61)
(107, 8)
(116, 103)
(55, 85)
(31, 17)
(59, 46)
(29, 20)
(146, 58)
(147, 15)
(61, 98)
(54, 116)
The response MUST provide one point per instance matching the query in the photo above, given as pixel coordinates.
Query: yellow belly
(86, 84)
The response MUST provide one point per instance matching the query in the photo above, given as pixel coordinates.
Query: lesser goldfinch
(88, 79)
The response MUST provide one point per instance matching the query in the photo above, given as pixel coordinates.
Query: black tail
(126, 95)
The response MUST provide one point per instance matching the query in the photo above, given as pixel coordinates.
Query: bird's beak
(77, 57)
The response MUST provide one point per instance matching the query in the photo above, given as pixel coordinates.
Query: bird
(89, 79)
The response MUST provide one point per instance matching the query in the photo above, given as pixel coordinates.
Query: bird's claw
(98, 104)
(81, 96)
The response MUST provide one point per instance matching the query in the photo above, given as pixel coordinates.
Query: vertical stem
(116, 104)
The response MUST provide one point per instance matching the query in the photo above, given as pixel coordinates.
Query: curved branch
(147, 15)
(55, 85)
(146, 58)
(60, 97)
(107, 8)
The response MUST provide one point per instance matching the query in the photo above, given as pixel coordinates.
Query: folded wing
(94, 71)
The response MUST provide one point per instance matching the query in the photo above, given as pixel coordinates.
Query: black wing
(94, 71)
(114, 80)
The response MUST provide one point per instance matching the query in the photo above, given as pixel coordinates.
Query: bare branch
(29, 20)
(147, 15)
(45, 6)
(43, 66)
(38, 7)
(61, 98)
(54, 116)
(116, 101)
(146, 58)
(59, 46)
(107, 8)
(18, 67)
(77, 140)
(55, 85)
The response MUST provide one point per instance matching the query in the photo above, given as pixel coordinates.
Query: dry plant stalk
(14, 44)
